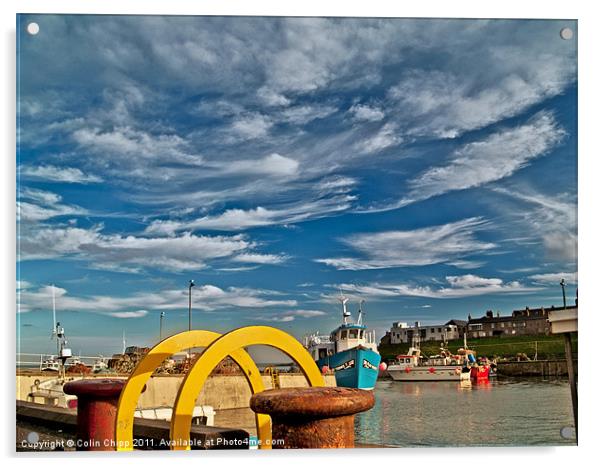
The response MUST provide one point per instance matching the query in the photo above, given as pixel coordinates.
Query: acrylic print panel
(387, 206)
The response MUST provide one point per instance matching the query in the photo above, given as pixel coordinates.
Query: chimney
(489, 314)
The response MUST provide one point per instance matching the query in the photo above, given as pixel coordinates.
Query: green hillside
(548, 347)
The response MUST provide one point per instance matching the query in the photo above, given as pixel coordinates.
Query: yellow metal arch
(124, 428)
(223, 346)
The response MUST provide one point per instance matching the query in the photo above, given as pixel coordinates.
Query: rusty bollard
(96, 412)
(314, 417)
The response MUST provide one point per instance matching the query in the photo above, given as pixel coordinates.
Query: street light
(563, 284)
(161, 325)
(190, 285)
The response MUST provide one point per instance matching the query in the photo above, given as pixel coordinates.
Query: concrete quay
(223, 392)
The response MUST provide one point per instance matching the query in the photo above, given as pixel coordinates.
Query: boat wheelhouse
(350, 351)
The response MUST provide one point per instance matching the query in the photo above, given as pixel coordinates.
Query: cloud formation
(54, 174)
(130, 253)
(205, 297)
(423, 246)
(290, 316)
(457, 287)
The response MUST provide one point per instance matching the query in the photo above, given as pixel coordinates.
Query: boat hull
(480, 373)
(427, 373)
(353, 368)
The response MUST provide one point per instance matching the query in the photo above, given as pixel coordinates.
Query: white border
(589, 207)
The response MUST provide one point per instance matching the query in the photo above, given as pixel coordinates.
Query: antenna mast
(360, 313)
(53, 311)
(346, 313)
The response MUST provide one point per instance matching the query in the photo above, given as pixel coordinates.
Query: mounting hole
(33, 28)
(568, 433)
(566, 33)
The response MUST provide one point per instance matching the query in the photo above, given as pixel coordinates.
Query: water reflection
(493, 412)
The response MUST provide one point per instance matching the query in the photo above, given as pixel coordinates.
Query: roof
(348, 326)
(516, 318)
(459, 323)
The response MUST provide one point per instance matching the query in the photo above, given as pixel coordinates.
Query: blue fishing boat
(350, 351)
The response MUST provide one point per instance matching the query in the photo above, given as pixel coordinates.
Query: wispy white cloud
(129, 314)
(54, 174)
(41, 205)
(457, 287)
(31, 212)
(422, 246)
(127, 253)
(493, 158)
(361, 112)
(240, 219)
(272, 98)
(386, 136)
(204, 297)
(273, 164)
(490, 159)
(23, 284)
(126, 146)
(40, 196)
(303, 114)
(289, 316)
(445, 104)
(554, 278)
(550, 219)
(250, 258)
(251, 126)
(467, 264)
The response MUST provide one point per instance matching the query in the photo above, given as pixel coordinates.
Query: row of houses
(401, 332)
(521, 322)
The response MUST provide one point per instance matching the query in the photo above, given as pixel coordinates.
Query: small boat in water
(414, 367)
(350, 351)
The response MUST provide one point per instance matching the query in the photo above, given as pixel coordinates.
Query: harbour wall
(220, 391)
(545, 368)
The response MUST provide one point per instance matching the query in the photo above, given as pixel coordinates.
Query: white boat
(51, 363)
(100, 364)
(414, 367)
(410, 367)
(50, 393)
(201, 415)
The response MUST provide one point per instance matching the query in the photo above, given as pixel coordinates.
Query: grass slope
(548, 347)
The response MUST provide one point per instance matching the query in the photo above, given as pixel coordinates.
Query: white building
(401, 332)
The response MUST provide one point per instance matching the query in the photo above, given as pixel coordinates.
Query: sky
(428, 167)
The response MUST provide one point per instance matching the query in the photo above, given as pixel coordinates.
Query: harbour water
(508, 411)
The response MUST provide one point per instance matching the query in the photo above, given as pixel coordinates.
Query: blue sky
(426, 166)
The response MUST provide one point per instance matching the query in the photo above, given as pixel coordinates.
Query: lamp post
(190, 285)
(563, 284)
(161, 325)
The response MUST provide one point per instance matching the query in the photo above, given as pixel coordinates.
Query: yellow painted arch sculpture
(217, 347)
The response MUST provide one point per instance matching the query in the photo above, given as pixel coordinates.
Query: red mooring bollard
(96, 412)
(314, 417)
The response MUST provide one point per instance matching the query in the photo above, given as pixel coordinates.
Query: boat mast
(360, 313)
(346, 313)
(54, 326)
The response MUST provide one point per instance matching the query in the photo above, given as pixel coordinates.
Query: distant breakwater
(544, 368)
